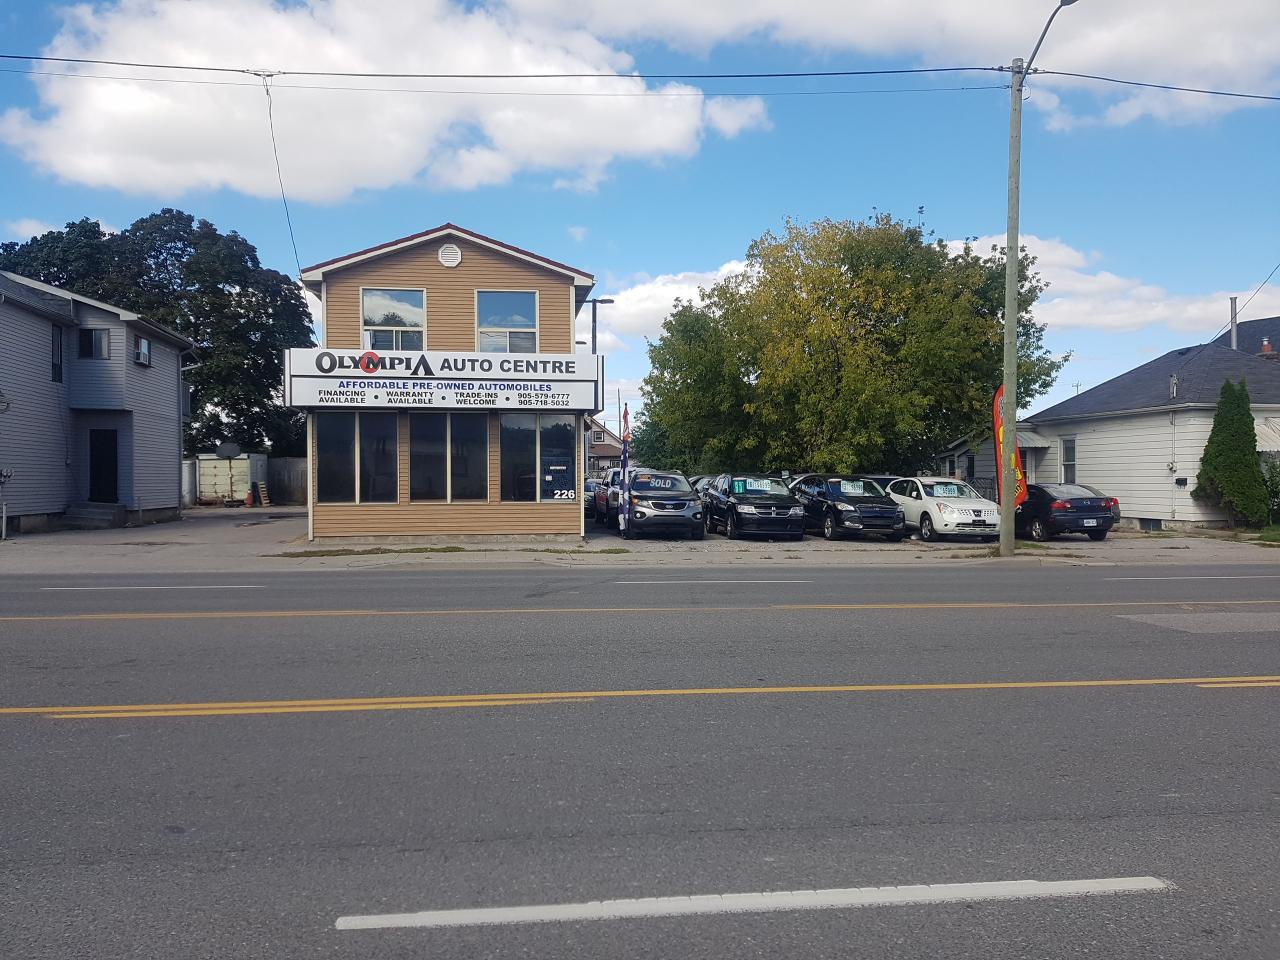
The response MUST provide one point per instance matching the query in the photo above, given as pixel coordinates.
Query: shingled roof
(1201, 371)
(1249, 335)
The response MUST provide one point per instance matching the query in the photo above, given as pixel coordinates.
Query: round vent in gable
(450, 255)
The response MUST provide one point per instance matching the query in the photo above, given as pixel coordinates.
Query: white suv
(944, 506)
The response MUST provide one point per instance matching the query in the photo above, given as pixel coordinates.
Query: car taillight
(1115, 504)
(1059, 505)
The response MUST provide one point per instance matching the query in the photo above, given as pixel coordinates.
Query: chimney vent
(1266, 348)
(1173, 387)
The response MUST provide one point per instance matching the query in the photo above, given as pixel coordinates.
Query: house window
(506, 321)
(142, 351)
(448, 456)
(55, 344)
(340, 472)
(970, 467)
(393, 319)
(539, 457)
(597, 436)
(95, 344)
(1068, 459)
(949, 468)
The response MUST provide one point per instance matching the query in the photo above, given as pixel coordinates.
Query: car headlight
(948, 510)
(797, 511)
(849, 506)
(746, 508)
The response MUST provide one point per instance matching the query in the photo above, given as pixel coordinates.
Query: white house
(1139, 436)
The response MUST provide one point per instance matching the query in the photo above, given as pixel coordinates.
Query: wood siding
(450, 294)
(152, 394)
(95, 384)
(469, 517)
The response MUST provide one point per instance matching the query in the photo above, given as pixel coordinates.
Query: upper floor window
(1068, 459)
(95, 344)
(507, 321)
(597, 436)
(55, 370)
(142, 351)
(393, 319)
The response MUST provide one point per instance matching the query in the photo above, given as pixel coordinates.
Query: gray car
(663, 503)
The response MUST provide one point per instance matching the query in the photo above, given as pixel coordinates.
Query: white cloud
(639, 309)
(1227, 44)
(25, 228)
(578, 233)
(1083, 296)
(170, 138)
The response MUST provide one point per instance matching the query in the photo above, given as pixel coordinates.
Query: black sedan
(1054, 508)
(751, 503)
(839, 505)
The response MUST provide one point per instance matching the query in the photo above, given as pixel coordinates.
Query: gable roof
(315, 273)
(52, 294)
(1201, 371)
(1250, 333)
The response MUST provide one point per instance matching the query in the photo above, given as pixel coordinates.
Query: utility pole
(1008, 472)
(1234, 344)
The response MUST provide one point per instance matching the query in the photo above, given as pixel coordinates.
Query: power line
(1259, 288)
(275, 152)
(505, 76)
(1158, 86)
(512, 93)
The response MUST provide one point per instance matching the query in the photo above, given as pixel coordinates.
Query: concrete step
(94, 516)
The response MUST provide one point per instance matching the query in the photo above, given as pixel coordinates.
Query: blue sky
(1147, 209)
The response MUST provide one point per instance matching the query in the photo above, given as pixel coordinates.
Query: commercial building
(446, 397)
(92, 401)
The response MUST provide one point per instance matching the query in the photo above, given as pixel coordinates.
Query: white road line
(1242, 576)
(682, 583)
(758, 902)
(201, 586)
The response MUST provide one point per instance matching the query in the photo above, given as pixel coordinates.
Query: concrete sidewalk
(218, 540)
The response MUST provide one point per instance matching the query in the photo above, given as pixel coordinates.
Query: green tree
(1231, 475)
(649, 446)
(842, 346)
(209, 286)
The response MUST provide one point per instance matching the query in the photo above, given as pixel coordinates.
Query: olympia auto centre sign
(321, 377)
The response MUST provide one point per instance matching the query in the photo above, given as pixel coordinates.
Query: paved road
(265, 755)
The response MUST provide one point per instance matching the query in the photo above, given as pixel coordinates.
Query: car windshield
(1069, 491)
(855, 488)
(653, 482)
(944, 489)
(759, 486)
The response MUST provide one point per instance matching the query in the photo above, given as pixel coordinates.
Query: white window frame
(1074, 461)
(597, 436)
(106, 338)
(141, 356)
(448, 456)
(537, 317)
(366, 340)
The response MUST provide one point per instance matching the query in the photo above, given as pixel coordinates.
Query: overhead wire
(275, 153)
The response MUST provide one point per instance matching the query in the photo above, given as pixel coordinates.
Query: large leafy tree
(842, 346)
(209, 286)
(1231, 476)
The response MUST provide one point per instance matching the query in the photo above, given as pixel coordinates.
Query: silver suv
(662, 502)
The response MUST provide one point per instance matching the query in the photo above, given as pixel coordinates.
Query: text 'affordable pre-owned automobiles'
(662, 503)
(943, 506)
(742, 503)
(848, 505)
(1054, 508)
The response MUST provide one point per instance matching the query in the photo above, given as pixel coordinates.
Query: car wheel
(697, 532)
(829, 528)
(1097, 534)
(731, 526)
(927, 532)
(1039, 532)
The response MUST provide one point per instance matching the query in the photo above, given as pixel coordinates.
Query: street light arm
(1044, 33)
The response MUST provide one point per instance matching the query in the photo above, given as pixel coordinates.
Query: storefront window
(335, 441)
(428, 452)
(378, 458)
(558, 454)
(519, 445)
(469, 456)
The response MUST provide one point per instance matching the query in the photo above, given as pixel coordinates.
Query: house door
(104, 465)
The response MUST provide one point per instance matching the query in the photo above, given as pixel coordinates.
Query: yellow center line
(247, 707)
(595, 611)
(1261, 682)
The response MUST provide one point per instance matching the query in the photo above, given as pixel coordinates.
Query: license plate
(1091, 523)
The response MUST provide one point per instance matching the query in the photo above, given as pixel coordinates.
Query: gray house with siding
(93, 426)
(1139, 437)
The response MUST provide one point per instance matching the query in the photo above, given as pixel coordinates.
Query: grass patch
(450, 548)
(1270, 534)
